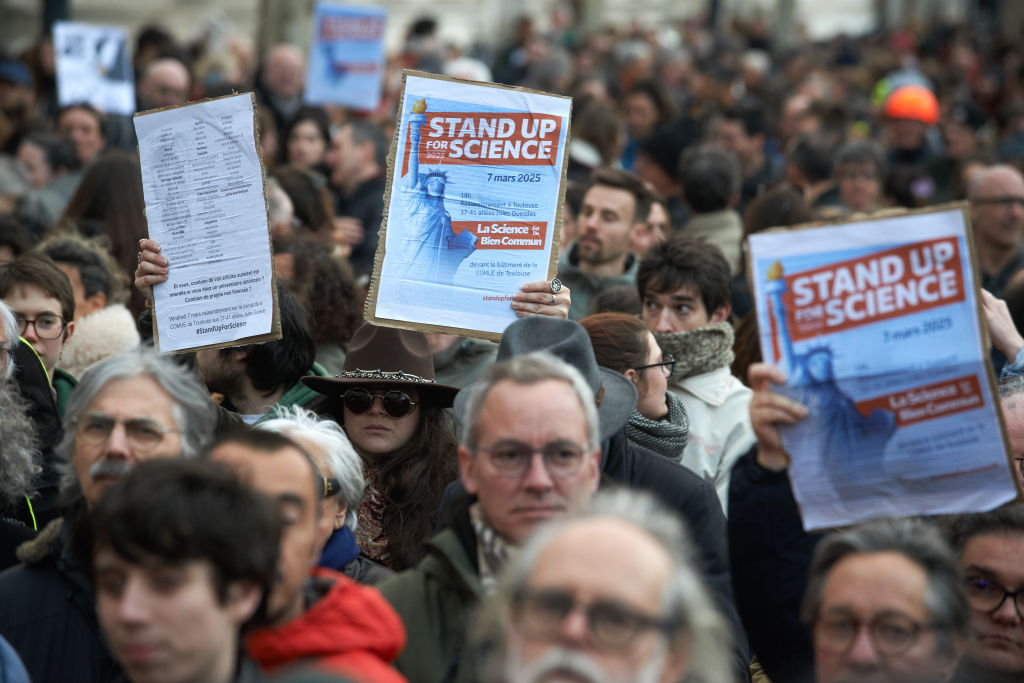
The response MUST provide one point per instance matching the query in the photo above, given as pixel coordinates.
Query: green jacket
(63, 384)
(436, 600)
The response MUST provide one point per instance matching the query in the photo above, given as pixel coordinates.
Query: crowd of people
(600, 497)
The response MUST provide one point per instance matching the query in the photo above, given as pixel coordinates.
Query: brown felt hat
(387, 356)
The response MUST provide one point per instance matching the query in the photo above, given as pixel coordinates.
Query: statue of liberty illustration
(432, 249)
(847, 440)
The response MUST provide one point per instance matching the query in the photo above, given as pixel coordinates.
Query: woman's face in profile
(652, 385)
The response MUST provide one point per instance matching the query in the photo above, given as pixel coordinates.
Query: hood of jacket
(346, 623)
(106, 332)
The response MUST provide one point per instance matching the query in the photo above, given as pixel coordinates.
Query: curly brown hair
(327, 286)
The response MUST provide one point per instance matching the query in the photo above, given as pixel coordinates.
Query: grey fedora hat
(567, 340)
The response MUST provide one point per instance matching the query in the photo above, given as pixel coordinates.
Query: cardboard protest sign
(203, 184)
(473, 206)
(346, 56)
(94, 65)
(877, 324)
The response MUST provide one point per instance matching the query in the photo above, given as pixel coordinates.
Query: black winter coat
(771, 555)
(47, 613)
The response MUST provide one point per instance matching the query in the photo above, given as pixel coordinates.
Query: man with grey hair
(343, 485)
(126, 409)
(887, 604)
(611, 594)
(530, 453)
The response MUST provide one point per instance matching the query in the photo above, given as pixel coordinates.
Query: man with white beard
(609, 595)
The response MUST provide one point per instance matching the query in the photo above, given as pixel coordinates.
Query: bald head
(986, 181)
(283, 70)
(164, 83)
(997, 211)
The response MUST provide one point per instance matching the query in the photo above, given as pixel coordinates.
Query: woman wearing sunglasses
(623, 343)
(394, 414)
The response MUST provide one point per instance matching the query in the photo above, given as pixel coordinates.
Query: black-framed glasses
(395, 403)
(610, 624)
(667, 363)
(512, 459)
(891, 633)
(143, 433)
(986, 595)
(47, 325)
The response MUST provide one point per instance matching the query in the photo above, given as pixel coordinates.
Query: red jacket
(351, 630)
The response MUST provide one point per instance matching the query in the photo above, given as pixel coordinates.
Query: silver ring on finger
(139, 261)
(555, 285)
(552, 299)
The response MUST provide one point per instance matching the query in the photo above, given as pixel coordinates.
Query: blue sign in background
(346, 56)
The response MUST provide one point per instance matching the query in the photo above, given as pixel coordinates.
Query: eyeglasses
(395, 403)
(513, 458)
(610, 624)
(48, 325)
(985, 595)
(143, 434)
(668, 363)
(891, 633)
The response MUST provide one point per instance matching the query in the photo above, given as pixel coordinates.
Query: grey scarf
(666, 436)
(698, 351)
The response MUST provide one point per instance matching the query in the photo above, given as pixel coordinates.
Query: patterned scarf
(666, 436)
(492, 550)
(370, 528)
(698, 351)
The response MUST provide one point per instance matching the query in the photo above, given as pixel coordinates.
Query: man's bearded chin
(564, 665)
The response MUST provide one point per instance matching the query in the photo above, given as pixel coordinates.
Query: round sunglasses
(395, 403)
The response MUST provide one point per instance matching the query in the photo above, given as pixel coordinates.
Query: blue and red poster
(876, 323)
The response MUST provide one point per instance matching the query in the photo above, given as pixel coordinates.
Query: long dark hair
(110, 196)
(411, 481)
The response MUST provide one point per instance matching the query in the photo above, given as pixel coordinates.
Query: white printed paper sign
(203, 185)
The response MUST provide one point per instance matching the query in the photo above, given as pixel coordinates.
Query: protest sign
(94, 65)
(203, 185)
(346, 56)
(877, 324)
(473, 206)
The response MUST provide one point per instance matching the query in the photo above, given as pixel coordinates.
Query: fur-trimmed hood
(43, 546)
(104, 333)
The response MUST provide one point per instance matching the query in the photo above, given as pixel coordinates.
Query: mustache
(110, 468)
(560, 660)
